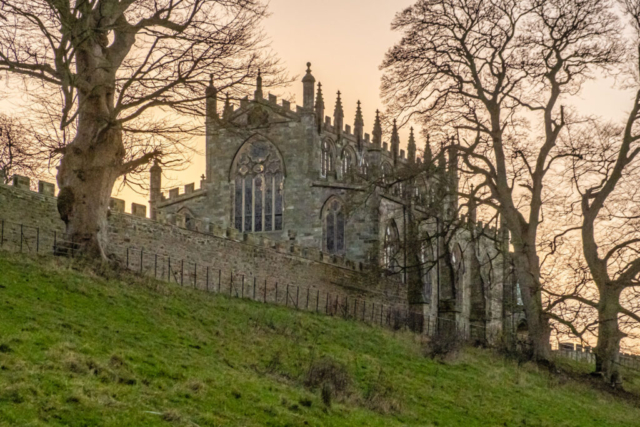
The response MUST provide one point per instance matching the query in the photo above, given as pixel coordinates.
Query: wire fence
(16, 237)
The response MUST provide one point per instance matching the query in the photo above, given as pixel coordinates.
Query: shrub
(330, 376)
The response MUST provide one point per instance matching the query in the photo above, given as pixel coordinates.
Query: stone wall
(227, 251)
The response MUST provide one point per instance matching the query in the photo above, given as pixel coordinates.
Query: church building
(300, 176)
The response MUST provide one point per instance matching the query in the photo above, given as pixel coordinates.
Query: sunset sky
(345, 40)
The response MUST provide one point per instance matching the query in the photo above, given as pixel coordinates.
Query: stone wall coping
(168, 201)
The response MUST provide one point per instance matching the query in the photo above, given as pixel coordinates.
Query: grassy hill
(79, 350)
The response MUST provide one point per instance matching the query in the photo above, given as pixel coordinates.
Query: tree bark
(89, 168)
(609, 336)
(526, 269)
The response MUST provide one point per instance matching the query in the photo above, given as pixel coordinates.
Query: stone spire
(228, 109)
(212, 100)
(377, 131)
(319, 108)
(428, 154)
(338, 116)
(411, 148)
(395, 142)
(473, 215)
(453, 157)
(308, 84)
(258, 95)
(358, 127)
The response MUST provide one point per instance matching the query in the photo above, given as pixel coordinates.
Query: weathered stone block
(21, 182)
(232, 233)
(116, 205)
(161, 217)
(189, 188)
(181, 220)
(46, 188)
(139, 210)
(174, 192)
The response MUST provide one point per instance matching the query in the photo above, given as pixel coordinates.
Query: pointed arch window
(326, 159)
(334, 225)
(189, 218)
(386, 173)
(347, 163)
(365, 168)
(457, 262)
(258, 188)
(427, 264)
(390, 248)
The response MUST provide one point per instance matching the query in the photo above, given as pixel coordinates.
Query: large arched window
(347, 162)
(334, 223)
(326, 158)
(258, 188)
(391, 247)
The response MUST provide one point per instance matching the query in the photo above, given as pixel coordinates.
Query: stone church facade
(302, 177)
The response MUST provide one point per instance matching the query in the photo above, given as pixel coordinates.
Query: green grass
(78, 350)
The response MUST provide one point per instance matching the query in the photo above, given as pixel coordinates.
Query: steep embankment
(78, 350)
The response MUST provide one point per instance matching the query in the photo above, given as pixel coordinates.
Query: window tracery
(258, 195)
(326, 159)
(426, 265)
(386, 173)
(334, 227)
(391, 246)
(347, 163)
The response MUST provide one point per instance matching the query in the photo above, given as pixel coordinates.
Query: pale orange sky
(346, 40)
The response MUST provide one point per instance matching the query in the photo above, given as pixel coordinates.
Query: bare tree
(484, 68)
(606, 177)
(118, 64)
(17, 150)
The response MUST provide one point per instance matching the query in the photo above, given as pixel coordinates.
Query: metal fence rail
(15, 237)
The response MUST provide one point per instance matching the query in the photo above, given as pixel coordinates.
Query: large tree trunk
(609, 336)
(526, 268)
(88, 171)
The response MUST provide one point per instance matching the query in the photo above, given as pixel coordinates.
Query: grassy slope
(76, 350)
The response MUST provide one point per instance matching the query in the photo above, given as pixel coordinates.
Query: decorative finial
(211, 79)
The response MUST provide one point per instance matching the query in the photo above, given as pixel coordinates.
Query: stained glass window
(258, 203)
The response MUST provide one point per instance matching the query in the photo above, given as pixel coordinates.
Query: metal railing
(15, 237)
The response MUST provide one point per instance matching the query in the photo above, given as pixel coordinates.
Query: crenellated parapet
(138, 211)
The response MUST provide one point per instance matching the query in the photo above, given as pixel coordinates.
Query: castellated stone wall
(226, 250)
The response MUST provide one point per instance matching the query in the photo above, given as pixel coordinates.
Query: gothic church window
(365, 168)
(334, 225)
(457, 262)
(347, 163)
(258, 193)
(391, 247)
(519, 301)
(426, 266)
(386, 173)
(189, 219)
(326, 159)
